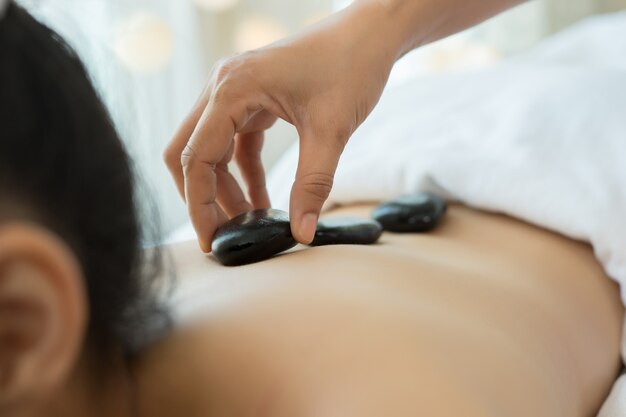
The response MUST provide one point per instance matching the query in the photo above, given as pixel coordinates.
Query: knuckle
(227, 67)
(171, 157)
(186, 158)
(334, 136)
(221, 169)
(234, 81)
(222, 68)
(222, 93)
(317, 185)
(340, 134)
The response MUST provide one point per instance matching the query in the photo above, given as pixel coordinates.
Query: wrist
(398, 25)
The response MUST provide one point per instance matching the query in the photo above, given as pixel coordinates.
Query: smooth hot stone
(346, 231)
(412, 213)
(252, 237)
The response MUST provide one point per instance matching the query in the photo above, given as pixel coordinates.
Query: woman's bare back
(485, 316)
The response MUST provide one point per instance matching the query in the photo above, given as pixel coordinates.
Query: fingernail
(204, 246)
(307, 227)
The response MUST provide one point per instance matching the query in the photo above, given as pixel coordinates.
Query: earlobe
(42, 313)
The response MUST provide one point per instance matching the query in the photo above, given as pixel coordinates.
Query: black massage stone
(411, 214)
(253, 237)
(346, 231)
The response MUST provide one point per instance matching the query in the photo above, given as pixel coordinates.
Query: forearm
(409, 24)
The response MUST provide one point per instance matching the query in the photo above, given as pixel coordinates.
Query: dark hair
(63, 166)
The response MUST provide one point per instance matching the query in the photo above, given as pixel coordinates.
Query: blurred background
(150, 58)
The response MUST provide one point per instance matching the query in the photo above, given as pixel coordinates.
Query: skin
(485, 316)
(505, 318)
(324, 82)
(42, 317)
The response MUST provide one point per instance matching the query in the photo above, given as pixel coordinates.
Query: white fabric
(615, 405)
(541, 138)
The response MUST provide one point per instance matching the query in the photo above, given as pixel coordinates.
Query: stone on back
(252, 237)
(414, 213)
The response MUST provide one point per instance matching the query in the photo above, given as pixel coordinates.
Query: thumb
(314, 180)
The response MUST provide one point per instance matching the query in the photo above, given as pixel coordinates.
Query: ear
(42, 313)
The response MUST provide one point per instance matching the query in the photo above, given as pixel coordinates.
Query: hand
(325, 82)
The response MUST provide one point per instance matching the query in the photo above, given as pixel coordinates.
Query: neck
(97, 388)
(163, 381)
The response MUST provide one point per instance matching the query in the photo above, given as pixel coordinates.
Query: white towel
(541, 137)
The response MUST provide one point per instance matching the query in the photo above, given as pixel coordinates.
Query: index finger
(176, 146)
(209, 143)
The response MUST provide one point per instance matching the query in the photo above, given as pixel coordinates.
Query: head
(70, 258)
